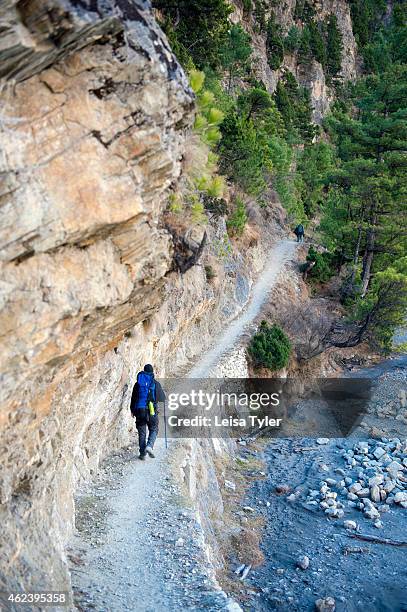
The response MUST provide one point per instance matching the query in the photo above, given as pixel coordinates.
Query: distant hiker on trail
(147, 392)
(299, 232)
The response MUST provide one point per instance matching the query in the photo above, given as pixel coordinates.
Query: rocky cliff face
(310, 75)
(94, 111)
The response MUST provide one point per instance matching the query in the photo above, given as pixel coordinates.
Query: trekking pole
(165, 426)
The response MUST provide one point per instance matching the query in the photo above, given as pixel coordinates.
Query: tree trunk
(368, 259)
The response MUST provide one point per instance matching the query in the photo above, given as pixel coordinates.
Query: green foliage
(389, 44)
(274, 44)
(270, 347)
(196, 80)
(238, 219)
(210, 273)
(235, 53)
(260, 14)
(209, 117)
(255, 102)
(322, 42)
(294, 104)
(317, 42)
(304, 11)
(293, 39)
(175, 204)
(314, 163)
(242, 154)
(386, 304)
(334, 47)
(247, 6)
(370, 185)
(196, 28)
(324, 265)
(216, 206)
(366, 19)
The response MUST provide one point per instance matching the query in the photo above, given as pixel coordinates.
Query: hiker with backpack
(147, 392)
(299, 232)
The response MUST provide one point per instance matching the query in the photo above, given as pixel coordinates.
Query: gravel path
(137, 546)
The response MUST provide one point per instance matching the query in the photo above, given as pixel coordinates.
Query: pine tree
(235, 53)
(274, 44)
(199, 26)
(334, 47)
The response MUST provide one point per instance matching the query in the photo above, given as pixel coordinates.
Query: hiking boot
(149, 450)
(142, 456)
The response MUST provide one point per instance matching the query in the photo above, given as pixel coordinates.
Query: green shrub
(247, 6)
(294, 104)
(304, 11)
(241, 154)
(270, 347)
(217, 206)
(334, 47)
(260, 14)
(210, 273)
(235, 53)
(199, 27)
(238, 219)
(293, 39)
(324, 265)
(274, 44)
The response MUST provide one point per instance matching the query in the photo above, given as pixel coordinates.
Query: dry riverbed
(335, 516)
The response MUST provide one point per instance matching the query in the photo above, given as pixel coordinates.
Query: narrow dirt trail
(137, 546)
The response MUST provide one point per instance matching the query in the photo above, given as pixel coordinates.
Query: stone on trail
(303, 562)
(325, 605)
(322, 441)
(180, 542)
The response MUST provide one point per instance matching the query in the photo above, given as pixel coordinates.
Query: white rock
(389, 486)
(325, 605)
(379, 452)
(230, 485)
(180, 542)
(355, 487)
(350, 524)
(363, 492)
(303, 562)
(376, 480)
(322, 441)
(401, 496)
(372, 513)
(394, 468)
(375, 493)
